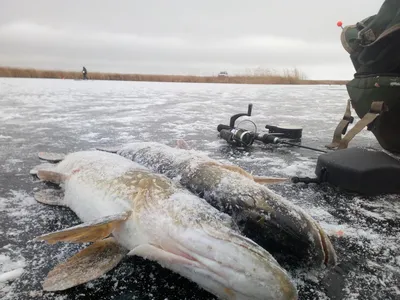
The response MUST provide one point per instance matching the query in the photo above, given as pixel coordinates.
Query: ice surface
(66, 115)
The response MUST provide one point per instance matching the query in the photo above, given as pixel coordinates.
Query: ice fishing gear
(240, 137)
(237, 136)
(373, 45)
(270, 138)
(288, 132)
(233, 134)
(357, 170)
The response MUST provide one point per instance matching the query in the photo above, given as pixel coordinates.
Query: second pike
(281, 227)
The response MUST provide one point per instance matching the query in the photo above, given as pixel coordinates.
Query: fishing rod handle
(222, 126)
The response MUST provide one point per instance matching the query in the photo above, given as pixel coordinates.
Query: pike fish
(282, 228)
(126, 209)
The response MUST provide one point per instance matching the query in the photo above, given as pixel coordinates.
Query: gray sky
(180, 36)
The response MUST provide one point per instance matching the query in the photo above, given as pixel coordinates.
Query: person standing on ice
(84, 72)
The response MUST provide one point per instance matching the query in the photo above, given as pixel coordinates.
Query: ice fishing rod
(270, 138)
(245, 138)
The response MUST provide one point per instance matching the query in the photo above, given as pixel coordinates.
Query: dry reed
(259, 76)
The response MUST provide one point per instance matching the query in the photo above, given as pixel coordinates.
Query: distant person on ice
(84, 72)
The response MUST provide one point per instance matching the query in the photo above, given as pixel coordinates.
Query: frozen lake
(66, 115)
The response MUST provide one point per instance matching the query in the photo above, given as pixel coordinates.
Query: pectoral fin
(86, 232)
(51, 157)
(88, 264)
(268, 180)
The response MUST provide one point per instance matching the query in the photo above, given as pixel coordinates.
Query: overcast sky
(180, 36)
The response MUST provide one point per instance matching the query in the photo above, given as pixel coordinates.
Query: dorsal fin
(182, 144)
(269, 180)
(231, 168)
(258, 179)
(110, 149)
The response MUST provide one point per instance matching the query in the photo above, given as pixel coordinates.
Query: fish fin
(51, 157)
(51, 176)
(110, 149)
(236, 169)
(86, 232)
(45, 166)
(88, 264)
(50, 197)
(159, 255)
(182, 144)
(269, 180)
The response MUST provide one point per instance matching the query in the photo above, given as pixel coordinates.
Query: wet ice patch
(13, 164)
(17, 199)
(22, 219)
(90, 137)
(12, 263)
(297, 168)
(11, 268)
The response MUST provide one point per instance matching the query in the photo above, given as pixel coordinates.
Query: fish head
(287, 232)
(231, 266)
(234, 267)
(219, 259)
(284, 229)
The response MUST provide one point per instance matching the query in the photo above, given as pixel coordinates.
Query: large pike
(273, 222)
(127, 209)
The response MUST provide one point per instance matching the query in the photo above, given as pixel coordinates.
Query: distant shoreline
(290, 77)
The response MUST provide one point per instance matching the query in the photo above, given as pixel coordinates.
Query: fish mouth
(320, 248)
(230, 266)
(329, 253)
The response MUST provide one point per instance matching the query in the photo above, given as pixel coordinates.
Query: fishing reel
(241, 137)
(237, 136)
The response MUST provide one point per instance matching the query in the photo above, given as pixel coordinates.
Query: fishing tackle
(240, 137)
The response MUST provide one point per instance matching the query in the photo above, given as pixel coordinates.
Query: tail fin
(51, 157)
(182, 144)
